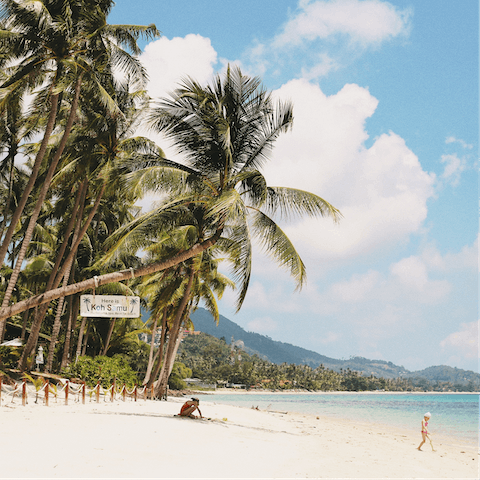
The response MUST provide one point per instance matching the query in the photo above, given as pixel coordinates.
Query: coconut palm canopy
(224, 133)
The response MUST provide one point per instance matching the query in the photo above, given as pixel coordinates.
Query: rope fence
(66, 390)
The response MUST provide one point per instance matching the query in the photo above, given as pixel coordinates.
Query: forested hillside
(215, 362)
(280, 352)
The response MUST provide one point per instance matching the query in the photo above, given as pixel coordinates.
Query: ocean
(455, 416)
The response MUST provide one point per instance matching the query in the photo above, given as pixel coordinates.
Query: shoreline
(226, 391)
(144, 439)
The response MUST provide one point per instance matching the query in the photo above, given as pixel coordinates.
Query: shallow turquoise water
(454, 415)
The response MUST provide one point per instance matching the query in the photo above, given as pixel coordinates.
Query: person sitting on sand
(425, 432)
(189, 407)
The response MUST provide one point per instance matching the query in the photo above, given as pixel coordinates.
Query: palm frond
(291, 201)
(276, 244)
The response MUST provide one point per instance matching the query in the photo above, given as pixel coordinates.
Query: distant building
(147, 338)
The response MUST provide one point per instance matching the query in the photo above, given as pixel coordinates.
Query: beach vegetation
(9, 357)
(180, 372)
(102, 369)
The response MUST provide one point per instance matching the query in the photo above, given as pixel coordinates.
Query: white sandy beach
(143, 439)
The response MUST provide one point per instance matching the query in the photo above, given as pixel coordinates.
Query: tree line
(213, 361)
(73, 167)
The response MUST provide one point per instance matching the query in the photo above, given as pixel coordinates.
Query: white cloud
(454, 166)
(465, 341)
(324, 65)
(382, 191)
(460, 141)
(170, 61)
(467, 258)
(409, 281)
(363, 22)
(414, 282)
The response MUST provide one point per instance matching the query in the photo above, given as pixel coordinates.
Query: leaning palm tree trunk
(109, 278)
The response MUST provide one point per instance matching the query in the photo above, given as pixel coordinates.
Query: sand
(144, 439)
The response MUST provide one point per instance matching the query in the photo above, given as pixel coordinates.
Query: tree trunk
(58, 316)
(85, 340)
(161, 386)
(24, 324)
(109, 336)
(152, 348)
(81, 234)
(55, 331)
(68, 335)
(156, 358)
(52, 281)
(80, 338)
(108, 278)
(31, 181)
(12, 153)
(159, 354)
(39, 203)
(172, 347)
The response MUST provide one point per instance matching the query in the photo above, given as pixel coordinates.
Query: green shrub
(102, 368)
(179, 373)
(9, 356)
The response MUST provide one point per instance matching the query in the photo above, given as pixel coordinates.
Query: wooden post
(67, 386)
(97, 393)
(83, 393)
(114, 386)
(24, 393)
(135, 392)
(47, 388)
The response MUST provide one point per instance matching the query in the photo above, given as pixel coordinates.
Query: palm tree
(208, 282)
(101, 147)
(60, 43)
(225, 132)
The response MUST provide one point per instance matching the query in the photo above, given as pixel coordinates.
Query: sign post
(109, 306)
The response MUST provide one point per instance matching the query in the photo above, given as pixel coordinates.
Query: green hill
(280, 352)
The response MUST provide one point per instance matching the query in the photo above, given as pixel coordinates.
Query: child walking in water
(425, 432)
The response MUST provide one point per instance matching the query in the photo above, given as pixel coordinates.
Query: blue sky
(385, 101)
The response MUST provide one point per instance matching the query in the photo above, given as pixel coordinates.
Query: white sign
(110, 306)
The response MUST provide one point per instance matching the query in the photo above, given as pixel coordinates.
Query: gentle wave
(453, 415)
